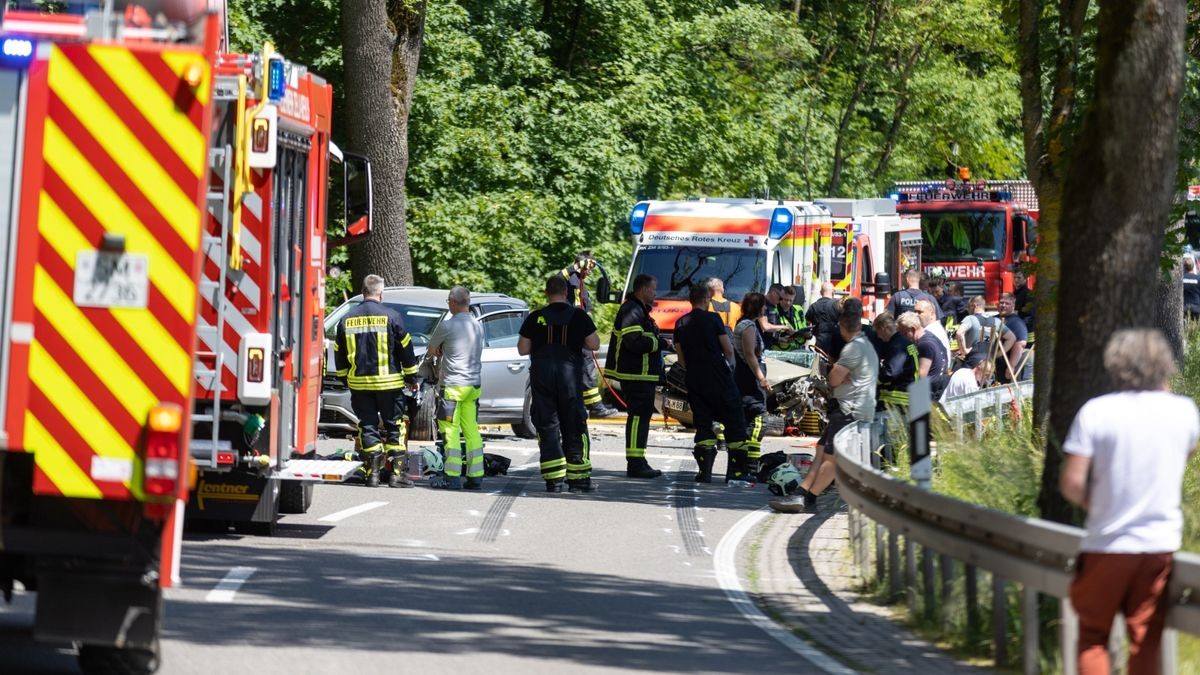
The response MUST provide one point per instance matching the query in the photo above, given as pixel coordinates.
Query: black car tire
(525, 428)
(295, 496)
(423, 425)
(105, 659)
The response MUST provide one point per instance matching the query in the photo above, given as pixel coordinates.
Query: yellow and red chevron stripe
(124, 152)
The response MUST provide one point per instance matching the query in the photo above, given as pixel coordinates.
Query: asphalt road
(507, 580)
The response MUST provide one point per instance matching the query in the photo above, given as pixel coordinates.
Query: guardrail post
(978, 418)
(1029, 630)
(893, 566)
(880, 533)
(971, 582)
(946, 567)
(927, 582)
(910, 574)
(999, 621)
(1069, 637)
(1169, 662)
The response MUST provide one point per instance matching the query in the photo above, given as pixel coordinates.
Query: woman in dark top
(750, 374)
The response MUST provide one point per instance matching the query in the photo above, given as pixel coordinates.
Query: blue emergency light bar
(276, 81)
(781, 223)
(16, 52)
(637, 218)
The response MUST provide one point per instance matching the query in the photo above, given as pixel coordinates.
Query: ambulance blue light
(276, 82)
(895, 196)
(781, 223)
(16, 52)
(637, 219)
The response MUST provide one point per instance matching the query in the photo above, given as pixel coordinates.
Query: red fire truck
(977, 231)
(155, 195)
(261, 340)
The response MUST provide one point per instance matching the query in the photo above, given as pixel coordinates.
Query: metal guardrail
(1036, 554)
(978, 406)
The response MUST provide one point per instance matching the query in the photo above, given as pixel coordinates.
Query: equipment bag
(495, 465)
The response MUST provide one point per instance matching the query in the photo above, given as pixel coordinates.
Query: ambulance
(858, 245)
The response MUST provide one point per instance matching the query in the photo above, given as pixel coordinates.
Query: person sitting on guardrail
(1126, 453)
(976, 334)
(853, 380)
(966, 380)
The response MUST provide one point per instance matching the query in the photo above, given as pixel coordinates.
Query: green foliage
(535, 126)
(1003, 473)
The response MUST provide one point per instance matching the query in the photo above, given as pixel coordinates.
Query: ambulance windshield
(962, 235)
(678, 267)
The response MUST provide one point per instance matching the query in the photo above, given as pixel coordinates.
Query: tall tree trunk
(860, 85)
(1168, 299)
(903, 99)
(1117, 196)
(381, 47)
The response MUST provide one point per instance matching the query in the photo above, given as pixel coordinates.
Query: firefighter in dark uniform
(577, 295)
(704, 350)
(555, 338)
(374, 354)
(634, 359)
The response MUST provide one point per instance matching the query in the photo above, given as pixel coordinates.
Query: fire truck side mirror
(883, 283)
(1019, 233)
(357, 199)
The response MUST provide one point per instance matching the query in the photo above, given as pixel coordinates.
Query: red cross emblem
(751, 241)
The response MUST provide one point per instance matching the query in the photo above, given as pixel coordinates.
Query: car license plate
(104, 279)
(674, 404)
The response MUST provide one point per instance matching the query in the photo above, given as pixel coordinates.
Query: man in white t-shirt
(1125, 458)
(929, 321)
(966, 380)
(853, 379)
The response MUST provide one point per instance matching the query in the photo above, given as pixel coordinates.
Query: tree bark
(860, 85)
(381, 45)
(903, 99)
(1168, 301)
(1116, 201)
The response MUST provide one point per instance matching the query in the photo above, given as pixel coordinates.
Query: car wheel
(423, 425)
(525, 428)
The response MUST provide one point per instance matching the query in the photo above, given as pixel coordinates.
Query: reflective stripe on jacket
(633, 350)
(372, 350)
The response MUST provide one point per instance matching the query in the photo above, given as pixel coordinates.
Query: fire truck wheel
(111, 660)
(423, 425)
(525, 428)
(295, 496)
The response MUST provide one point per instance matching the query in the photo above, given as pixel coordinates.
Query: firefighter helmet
(784, 480)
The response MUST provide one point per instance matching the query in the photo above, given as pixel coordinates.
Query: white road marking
(725, 566)
(352, 511)
(228, 587)
(401, 556)
(469, 530)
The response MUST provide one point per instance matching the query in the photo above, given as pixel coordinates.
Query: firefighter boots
(473, 484)
(372, 464)
(735, 469)
(399, 475)
(638, 467)
(554, 486)
(705, 456)
(578, 485)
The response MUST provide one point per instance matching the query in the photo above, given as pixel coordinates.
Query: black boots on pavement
(705, 456)
(638, 467)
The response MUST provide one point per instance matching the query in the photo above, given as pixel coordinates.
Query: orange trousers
(1133, 584)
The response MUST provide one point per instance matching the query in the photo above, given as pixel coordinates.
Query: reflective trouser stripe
(631, 438)
(475, 463)
(584, 468)
(754, 442)
(591, 396)
(554, 469)
(463, 426)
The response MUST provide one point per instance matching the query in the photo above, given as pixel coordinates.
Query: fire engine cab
(977, 231)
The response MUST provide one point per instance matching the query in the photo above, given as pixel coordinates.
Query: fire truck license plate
(104, 279)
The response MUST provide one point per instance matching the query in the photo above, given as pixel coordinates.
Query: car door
(505, 372)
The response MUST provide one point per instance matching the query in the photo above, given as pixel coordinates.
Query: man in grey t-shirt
(458, 341)
(853, 380)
